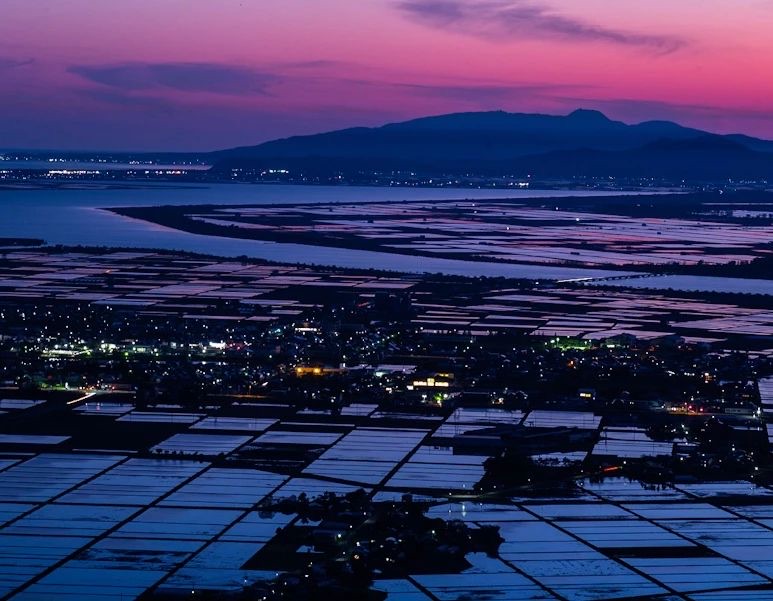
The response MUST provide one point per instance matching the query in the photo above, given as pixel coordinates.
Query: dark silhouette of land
(583, 143)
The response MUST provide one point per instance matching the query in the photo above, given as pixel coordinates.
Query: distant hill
(582, 143)
(707, 157)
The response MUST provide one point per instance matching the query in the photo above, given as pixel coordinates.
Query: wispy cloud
(318, 64)
(488, 92)
(513, 19)
(635, 109)
(185, 77)
(7, 62)
(141, 103)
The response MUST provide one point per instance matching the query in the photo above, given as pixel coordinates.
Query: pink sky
(201, 75)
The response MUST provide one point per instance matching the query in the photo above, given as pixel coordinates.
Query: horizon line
(372, 127)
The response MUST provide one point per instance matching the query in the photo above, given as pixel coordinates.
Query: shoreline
(300, 228)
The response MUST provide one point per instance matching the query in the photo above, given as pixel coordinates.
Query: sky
(197, 75)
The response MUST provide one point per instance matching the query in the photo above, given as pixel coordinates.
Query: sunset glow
(195, 75)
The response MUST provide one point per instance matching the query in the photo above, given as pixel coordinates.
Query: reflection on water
(72, 217)
(694, 283)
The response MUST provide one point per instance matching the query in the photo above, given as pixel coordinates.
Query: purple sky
(201, 75)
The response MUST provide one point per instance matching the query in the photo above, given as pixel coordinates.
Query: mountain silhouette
(583, 143)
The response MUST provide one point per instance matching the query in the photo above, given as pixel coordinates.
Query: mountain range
(583, 143)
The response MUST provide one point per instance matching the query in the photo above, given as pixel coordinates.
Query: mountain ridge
(497, 142)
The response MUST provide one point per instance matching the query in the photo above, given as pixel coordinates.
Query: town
(245, 428)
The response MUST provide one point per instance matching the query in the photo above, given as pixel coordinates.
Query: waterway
(75, 217)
